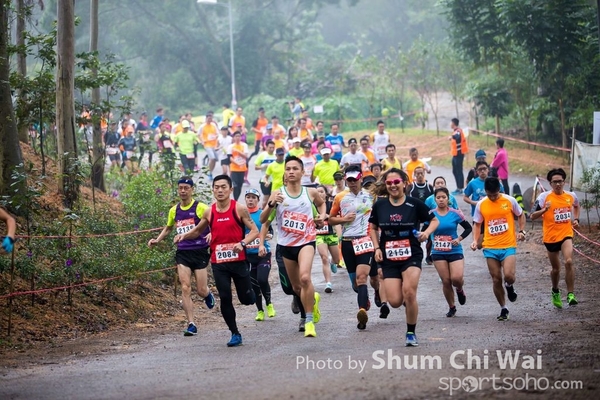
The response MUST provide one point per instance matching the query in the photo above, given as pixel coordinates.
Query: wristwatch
(243, 244)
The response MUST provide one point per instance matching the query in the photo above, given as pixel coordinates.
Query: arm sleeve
(467, 228)
(423, 213)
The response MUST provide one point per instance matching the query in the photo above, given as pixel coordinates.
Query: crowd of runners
(352, 202)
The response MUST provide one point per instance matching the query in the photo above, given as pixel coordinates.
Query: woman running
(399, 249)
(327, 242)
(447, 252)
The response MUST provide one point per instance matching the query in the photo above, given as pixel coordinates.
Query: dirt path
(277, 361)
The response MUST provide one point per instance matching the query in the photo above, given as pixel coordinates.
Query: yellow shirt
(325, 170)
(387, 164)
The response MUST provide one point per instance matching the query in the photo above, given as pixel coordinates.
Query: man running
(380, 140)
(496, 213)
(273, 178)
(192, 254)
(209, 136)
(227, 220)
(325, 169)
(353, 157)
(352, 209)
(336, 140)
(293, 208)
(259, 128)
(559, 210)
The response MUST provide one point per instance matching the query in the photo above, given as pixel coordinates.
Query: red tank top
(227, 230)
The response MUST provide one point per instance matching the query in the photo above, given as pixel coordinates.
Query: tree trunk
(10, 151)
(98, 148)
(68, 185)
(497, 124)
(23, 129)
(563, 131)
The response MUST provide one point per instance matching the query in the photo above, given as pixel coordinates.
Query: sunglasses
(351, 179)
(557, 182)
(394, 182)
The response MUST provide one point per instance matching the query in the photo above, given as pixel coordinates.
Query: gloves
(7, 244)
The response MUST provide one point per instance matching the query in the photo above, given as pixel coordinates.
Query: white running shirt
(295, 223)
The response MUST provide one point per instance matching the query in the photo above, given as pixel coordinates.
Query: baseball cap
(352, 141)
(367, 180)
(185, 123)
(296, 140)
(280, 151)
(325, 150)
(269, 126)
(306, 145)
(480, 153)
(252, 191)
(353, 172)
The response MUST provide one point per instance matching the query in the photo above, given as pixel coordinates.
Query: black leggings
(457, 170)
(188, 164)
(506, 187)
(260, 267)
(238, 182)
(286, 285)
(223, 274)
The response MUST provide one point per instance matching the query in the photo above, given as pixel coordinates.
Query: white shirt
(356, 158)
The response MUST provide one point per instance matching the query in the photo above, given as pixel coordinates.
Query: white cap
(325, 150)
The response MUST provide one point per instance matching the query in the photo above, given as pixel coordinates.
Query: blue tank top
(252, 247)
(446, 232)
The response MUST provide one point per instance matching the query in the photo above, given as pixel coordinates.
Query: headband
(187, 181)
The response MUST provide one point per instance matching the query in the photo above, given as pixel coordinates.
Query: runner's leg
(495, 269)
(567, 250)
(444, 272)
(185, 279)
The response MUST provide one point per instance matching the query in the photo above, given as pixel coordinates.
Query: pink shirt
(501, 163)
(314, 147)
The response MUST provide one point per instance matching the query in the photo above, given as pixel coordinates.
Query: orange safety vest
(464, 147)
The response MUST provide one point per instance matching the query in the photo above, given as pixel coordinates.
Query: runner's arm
(11, 225)
(166, 230)
(247, 220)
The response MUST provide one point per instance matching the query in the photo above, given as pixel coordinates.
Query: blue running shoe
(333, 267)
(411, 339)
(236, 340)
(210, 300)
(191, 330)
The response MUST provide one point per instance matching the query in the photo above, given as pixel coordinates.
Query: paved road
(276, 361)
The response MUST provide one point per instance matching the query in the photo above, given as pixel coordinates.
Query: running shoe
(384, 311)
(301, 325)
(428, 260)
(333, 267)
(411, 339)
(457, 192)
(556, 300)
(210, 177)
(503, 315)
(247, 182)
(271, 310)
(309, 330)
(571, 299)
(236, 340)
(295, 307)
(451, 312)
(342, 264)
(328, 288)
(260, 316)
(462, 297)
(191, 330)
(316, 311)
(362, 318)
(210, 300)
(377, 299)
(510, 292)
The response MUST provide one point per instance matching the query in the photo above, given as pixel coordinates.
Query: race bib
(225, 253)
(381, 150)
(184, 225)
(398, 250)
(362, 245)
(497, 226)
(239, 160)
(190, 156)
(442, 243)
(336, 148)
(562, 215)
(255, 244)
(167, 144)
(294, 222)
(212, 137)
(129, 154)
(111, 151)
(324, 230)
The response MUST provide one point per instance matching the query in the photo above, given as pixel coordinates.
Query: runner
(225, 140)
(352, 209)
(353, 157)
(325, 169)
(472, 174)
(128, 146)
(458, 149)
(296, 233)
(376, 170)
(327, 243)
(11, 228)
(559, 210)
(399, 250)
(273, 178)
(260, 266)
(111, 142)
(238, 154)
(475, 189)
(414, 162)
(371, 157)
(227, 220)
(340, 183)
(439, 182)
(304, 133)
(380, 140)
(296, 150)
(309, 161)
(192, 255)
(209, 137)
(391, 161)
(496, 213)
(259, 128)
(447, 253)
(263, 160)
(186, 141)
(420, 188)
(336, 140)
